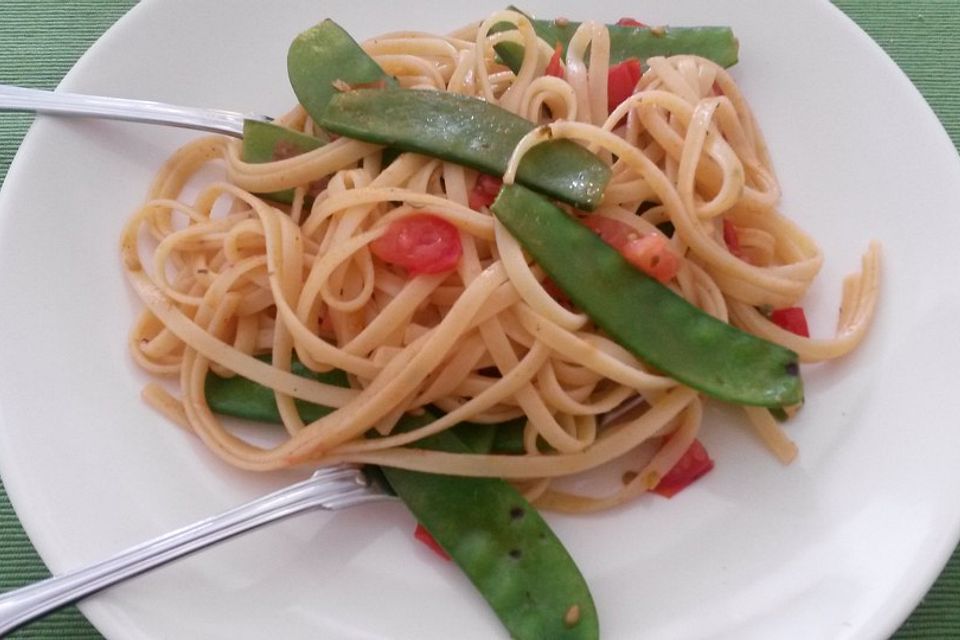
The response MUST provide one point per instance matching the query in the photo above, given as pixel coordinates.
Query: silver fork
(331, 488)
(76, 104)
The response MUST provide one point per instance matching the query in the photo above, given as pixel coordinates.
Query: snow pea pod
(267, 142)
(502, 544)
(242, 398)
(493, 534)
(324, 56)
(470, 132)
(715, 43)
(645, 317)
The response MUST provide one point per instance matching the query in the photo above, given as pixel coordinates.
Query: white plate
(840, 545)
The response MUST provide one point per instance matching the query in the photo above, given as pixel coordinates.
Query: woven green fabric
(41, 39)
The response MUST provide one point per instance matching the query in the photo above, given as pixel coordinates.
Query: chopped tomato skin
(622, 79)
(421, 243)
(651, 253)
(731, 238)
(421, 534)
(630, 22)
(484, 191)
(554, 68)
(692, 464)
(326, 328)
(284, 149)
(555, 292)
(793, 319)
(376, 84)
(613, 232)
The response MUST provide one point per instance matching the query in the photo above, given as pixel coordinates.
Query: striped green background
(41, 39)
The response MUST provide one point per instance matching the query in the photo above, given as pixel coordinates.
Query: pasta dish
(396, 268)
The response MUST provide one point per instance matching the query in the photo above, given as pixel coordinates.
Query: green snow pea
(324, 56)
(242, 398)
(470, 132)
(493, 534)
(503, 545)
(716, 43)
(645, 317)
(267, 142)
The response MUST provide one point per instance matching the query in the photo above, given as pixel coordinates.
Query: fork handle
(74, 104)
(340, 487)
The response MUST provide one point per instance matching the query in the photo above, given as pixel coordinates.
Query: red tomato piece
(555, 292)
(622, 79)
(652, 255)
(421, 534)
(793, 319)
(630, 22)
(731, 238)
(485, 191)
(326, 328)
(615, 233)
(692, 464)
(421, 243)
(554, 68)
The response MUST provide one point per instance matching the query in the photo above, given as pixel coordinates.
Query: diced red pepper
(650, 253)
(793, 319)
(421, 534)
(554, 68)
(622, 79)
(421, 243)
(694, 463)
(484, 192)
(630, 22)
(731, 238)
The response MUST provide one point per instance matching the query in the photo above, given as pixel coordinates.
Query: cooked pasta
(226, 274)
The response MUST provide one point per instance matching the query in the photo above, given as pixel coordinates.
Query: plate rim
(14, 490)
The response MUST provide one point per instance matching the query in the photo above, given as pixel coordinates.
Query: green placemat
(41, 39)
